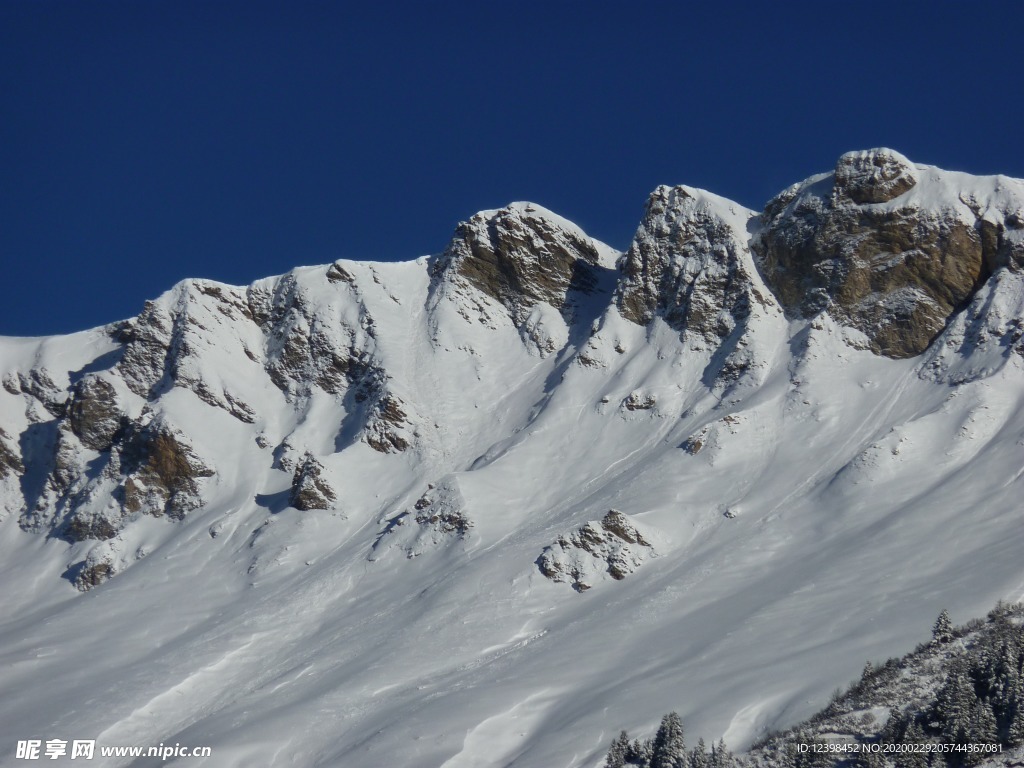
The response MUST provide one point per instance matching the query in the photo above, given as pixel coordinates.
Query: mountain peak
(886, 247)
(874, 175)
(689, 263)
(522, 255)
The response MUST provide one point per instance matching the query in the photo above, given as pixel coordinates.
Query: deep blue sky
(147, 141)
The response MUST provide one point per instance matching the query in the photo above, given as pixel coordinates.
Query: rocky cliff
(887, 248)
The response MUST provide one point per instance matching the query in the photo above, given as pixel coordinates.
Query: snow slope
(804, 503)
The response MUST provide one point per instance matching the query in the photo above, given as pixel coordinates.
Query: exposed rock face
(844, 244)
(615, 547)
(303, 349)
(94, 414)
(521, 255)
(10, 462)
(686, 264)
(90, 576)
(442, 511)
(386, 429)
(167, 347)
(147, 341)
(161, 473)
(309, 489)
(84, 526)
(873, 176)
(338, 274)
(11, 469)
(438, 518)
(638, 401)
(39, 385)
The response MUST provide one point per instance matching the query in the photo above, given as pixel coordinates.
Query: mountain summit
(488, 506)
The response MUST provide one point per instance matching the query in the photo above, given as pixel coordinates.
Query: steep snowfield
(815, 511)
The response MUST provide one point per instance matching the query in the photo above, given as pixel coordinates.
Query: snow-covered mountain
(488, 507)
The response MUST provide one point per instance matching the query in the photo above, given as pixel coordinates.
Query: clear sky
(147, 141)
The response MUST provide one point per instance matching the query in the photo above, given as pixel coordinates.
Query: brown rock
(309, 489)
(82, 527)
(520, 258)
(897, 275)
(161, 473)
(93, 576)
(873, 176)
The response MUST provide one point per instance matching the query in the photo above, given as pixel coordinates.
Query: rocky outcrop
(310, 490)
(845, 244)
(147, 339)
(338, 274)
(523, 255)
(89, 576)
(39, 385)
(169, 345)
(161, 473)
(443, 512)
(438, 518)
(387, 429)
(11, 470)
(615, 547)
(84, 525)
(873, 176)
(103, 561)
(94, 414)
(689, 264)
(10, 462)
(639, 401)
(305, 350)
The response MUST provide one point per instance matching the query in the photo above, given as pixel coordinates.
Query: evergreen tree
(942, 632)
(1015, 737)
(894, 728)
(810, 759)
(639, 752)
(616, 757)
(1005, 685)
(789, 754)
(912, 759)
(721, 757)
(913, 735)
(872, 760)
(982, 730)
(669, 746)
(699, 756)
(1015, 715)
(954, 705)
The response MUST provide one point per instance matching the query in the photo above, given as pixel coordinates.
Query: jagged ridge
(449, 432)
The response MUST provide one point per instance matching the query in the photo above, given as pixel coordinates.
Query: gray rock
(10, 461)
(686, 265)
(614, 546)
(94, 414)
(873, 176)
(309, 489)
